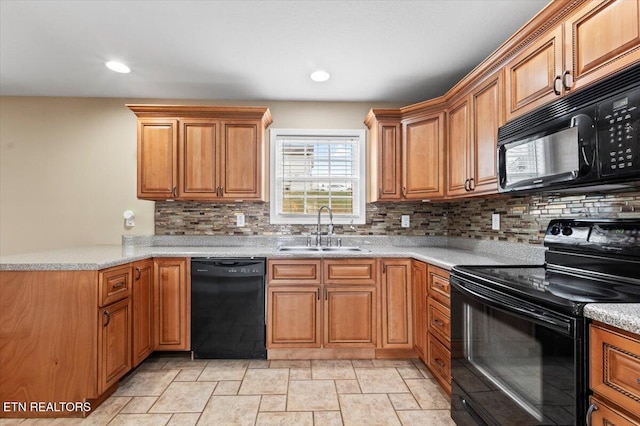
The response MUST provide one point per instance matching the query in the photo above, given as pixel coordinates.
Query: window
(313, 168)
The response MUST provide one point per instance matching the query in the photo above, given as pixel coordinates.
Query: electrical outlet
(405, 222)
(239, 219)
(495, 221)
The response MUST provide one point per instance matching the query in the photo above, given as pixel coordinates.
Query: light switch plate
(495, 221)
(240, 220)
(405, 222)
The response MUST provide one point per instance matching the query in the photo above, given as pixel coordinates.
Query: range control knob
(555, 230)
(567, 231)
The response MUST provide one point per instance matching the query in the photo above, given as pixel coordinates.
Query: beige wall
(68, 165)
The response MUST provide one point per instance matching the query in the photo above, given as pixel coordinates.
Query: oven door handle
(537, 316)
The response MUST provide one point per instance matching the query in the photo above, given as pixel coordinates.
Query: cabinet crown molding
(202, 111)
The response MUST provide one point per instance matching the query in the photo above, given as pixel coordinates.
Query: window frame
(276, 218)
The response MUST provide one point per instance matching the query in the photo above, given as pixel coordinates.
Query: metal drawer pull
(590, 411)
(108, 316)
(118, 285)
(439, 362)
(438, 322)
(138, 272)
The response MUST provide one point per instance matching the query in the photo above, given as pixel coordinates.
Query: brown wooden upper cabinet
(596, 40)
(202, 152)
(406, 157)
(472, 123)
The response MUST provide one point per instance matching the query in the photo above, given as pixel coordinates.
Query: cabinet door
(419, 289)
(142, 301)
(293, 317)
(241, 165)
(157, 158)
(389, 164)
(487, 117)
(530, 76)
(438, 285)
(350, 316)
(396, 304)
(172, 297)
(458, 151)
(114, 343)
(423, 157)
(602, 38)
(198, 165)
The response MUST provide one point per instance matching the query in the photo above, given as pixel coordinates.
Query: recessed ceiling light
(118, 67)
(320, 75)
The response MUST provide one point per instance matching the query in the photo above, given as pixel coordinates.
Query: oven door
(513, 363)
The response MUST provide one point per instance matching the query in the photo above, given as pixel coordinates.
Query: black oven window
(528, 370)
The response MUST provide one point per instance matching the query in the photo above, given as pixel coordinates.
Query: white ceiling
(376, 51)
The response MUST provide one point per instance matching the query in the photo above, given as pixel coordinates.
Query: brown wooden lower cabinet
(350, 316)
(396, 308)
(293, 317)
(114, 343)
(438, 317)
(142, 316)
(172, 304)
(419, 289)
(438, 360)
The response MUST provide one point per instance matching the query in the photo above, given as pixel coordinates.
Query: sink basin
(315, 249)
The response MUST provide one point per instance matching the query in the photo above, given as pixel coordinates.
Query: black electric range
(519, 335)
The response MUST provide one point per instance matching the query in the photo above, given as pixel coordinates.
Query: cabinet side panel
(241, 154)
(48, 335)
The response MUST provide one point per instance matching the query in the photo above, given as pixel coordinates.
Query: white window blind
(315, 168)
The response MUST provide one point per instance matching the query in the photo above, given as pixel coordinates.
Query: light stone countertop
(625, 316)
(100, 257)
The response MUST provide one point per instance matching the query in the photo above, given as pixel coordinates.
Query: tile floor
(179, 391)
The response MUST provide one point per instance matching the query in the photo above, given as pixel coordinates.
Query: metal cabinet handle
(318, 293)
(325, 294)
(379, 192)
(466, 185)
(138, 272)
(556, 88)
(404, 191)
(118, 285)
(221, 191)
(107, 315)
(592, 408)
(438, 322)
(439, 362)
(567, 80)
(174, 191)
(472, 184)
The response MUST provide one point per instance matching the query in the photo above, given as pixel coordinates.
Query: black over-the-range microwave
(588, 138)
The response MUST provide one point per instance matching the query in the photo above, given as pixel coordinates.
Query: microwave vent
(608, 87)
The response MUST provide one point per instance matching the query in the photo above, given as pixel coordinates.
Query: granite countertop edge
(625, 316)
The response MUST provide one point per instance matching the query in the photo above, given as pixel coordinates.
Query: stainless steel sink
(315, 249)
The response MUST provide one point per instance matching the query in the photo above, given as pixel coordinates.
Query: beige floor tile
(152, 364)
(230, 410)
(327, 418)
(370, 410)
(403, 401)
(189, 374)
(139, 405)
(37, 422)
(410, 373)
(332, 370)
(259, 363)
(281, 419)
(362, 363)
(290, 363)
(312, 395)
(146, 383)
(265, 382)
(64, 422)
(422, 368)
(273, 403)
(218, 370)
(428, 394)
(426, 418)
(348, 386)
(184, 419)
(182, 363)
(380, 380)
(227, 387)
(10, 422)
(140, 420)
(106, 411)
(184, 397)
(392, 363)
(300, 373)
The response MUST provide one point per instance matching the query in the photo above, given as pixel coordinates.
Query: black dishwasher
(228, 308)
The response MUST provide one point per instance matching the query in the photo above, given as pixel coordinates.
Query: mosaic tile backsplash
(523, 219)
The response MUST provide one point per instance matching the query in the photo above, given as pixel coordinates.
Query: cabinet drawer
(438, 321)
(299, 271)
(604, 415)
(114, 284)
(439, 285)
(615, 366)
(350, 271)
(439, 362)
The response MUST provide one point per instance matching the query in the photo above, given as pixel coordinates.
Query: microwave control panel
(618, 129)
